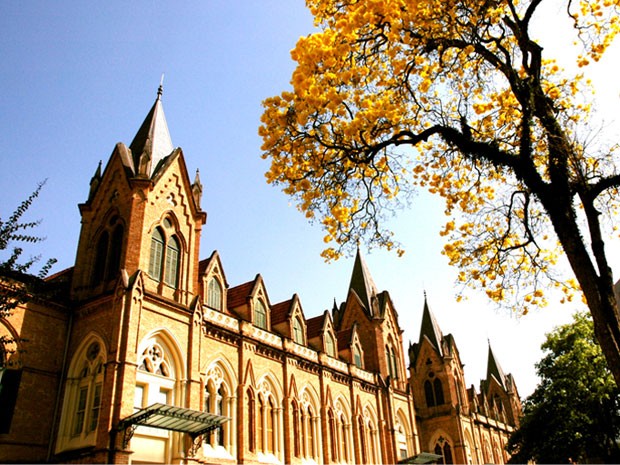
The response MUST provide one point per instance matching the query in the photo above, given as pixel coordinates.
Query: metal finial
(160, 90)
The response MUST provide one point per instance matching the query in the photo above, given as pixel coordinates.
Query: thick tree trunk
(594, 276)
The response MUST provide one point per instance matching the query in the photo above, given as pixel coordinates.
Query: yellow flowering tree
(457, 97)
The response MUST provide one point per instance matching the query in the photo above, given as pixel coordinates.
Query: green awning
(423, 457)
(172, 418)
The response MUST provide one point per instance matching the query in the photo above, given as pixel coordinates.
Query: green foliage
(15, 281)
(574, 413)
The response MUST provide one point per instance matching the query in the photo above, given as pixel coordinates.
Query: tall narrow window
(260, 425)
(83, 395)
(438, 390)
(298, 331)
(311, 434)
(214, 297)
(429, 394)
(270, 426)
(443, 449)
(332, 435)
(296, 430)
(357, 355)
(252, 429)
(330, 346)
(362, 433)
(260, 315)
(394, 364)
(157, 254)
(114, 256)
(171, 277)
(101, 257)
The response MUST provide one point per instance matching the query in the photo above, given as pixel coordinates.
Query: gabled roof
(362, 283)
(281, 311)
(239, 295)
(152, 142)
(344, 338)
(314, 326)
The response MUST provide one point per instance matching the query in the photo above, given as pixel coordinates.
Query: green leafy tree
(458, 97)
(574, 413)
(16, 282)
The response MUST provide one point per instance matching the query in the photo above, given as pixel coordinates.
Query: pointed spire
(197, 189)
(430, 328)
(362, 283)
(494, 369)
(152, 142)
(94, 181)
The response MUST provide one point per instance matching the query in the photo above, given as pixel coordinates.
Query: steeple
(152, 142)
(362, 283)
(430, 328)
(494, 369)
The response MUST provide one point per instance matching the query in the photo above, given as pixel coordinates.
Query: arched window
(438, 390)
(296, 429)
(101, 257)
(357, 355)
(260, 315)
(362, 434)
(298, 331)
(165, 256)
(344, 437)
(332, 435)
(433, 391)
(260, 428)
(443, 448)
(428, 394)
(88, 403)
(219, 400)
(269, 430)
(108, 252)
(173, 256)
(114, 257)
(330, 345)
(252, 426)
(394, 363)
(83, 394)
(157, 254)
(214, 294)
(310, 434)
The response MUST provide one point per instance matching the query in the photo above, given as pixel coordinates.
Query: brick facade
(141, 320)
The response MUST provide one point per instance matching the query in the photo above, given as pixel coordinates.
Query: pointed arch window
(252, 425)
(332, 435)
(330, 344)
(433, 391)
(108, 252)
(357, 355)
(83, 394)
(173, 255)
(157, 254)
(214, 297)
(298, 331)
(296, 429)
(260, 315)
(165, 257)
(443, 449)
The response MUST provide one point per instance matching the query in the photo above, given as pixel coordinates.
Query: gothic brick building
(144, 353)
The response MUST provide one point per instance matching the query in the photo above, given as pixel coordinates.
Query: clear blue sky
(77, 77)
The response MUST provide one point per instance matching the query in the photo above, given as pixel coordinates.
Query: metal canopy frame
(162, 416)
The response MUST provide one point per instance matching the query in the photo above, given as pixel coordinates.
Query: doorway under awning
(168, 417)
